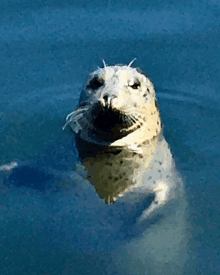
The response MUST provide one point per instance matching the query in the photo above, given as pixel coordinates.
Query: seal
(119, 139)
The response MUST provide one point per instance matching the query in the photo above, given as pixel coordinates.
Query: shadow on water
(30, 177)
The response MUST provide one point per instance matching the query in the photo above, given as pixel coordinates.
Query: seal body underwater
(118, 134)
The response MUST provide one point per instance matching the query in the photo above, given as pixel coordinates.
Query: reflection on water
(114, 171)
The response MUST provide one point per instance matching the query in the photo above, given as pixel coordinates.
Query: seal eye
(95, 83)
(136, 84)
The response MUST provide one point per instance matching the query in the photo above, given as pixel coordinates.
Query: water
(47, 49)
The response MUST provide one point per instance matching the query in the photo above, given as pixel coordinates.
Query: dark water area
(47, 50)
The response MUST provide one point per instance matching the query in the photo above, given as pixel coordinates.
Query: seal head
(117, 107)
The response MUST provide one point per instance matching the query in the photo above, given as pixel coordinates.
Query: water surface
(47, 49)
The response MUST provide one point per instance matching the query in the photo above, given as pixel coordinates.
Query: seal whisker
(65, 125)
(131, 119)
(104, 63)
(135, 122)
(136, 115)
(75, 115)
(129, 65)
(76, 111)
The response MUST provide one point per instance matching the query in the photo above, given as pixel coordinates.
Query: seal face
(116, 102)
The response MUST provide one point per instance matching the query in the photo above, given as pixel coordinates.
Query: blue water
(47, 49)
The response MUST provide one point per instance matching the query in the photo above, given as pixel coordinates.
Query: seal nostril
(107, 100)
(106, 97)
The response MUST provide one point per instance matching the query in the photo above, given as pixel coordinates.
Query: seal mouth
(111, 123)
(108, 119)
(106, 122)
